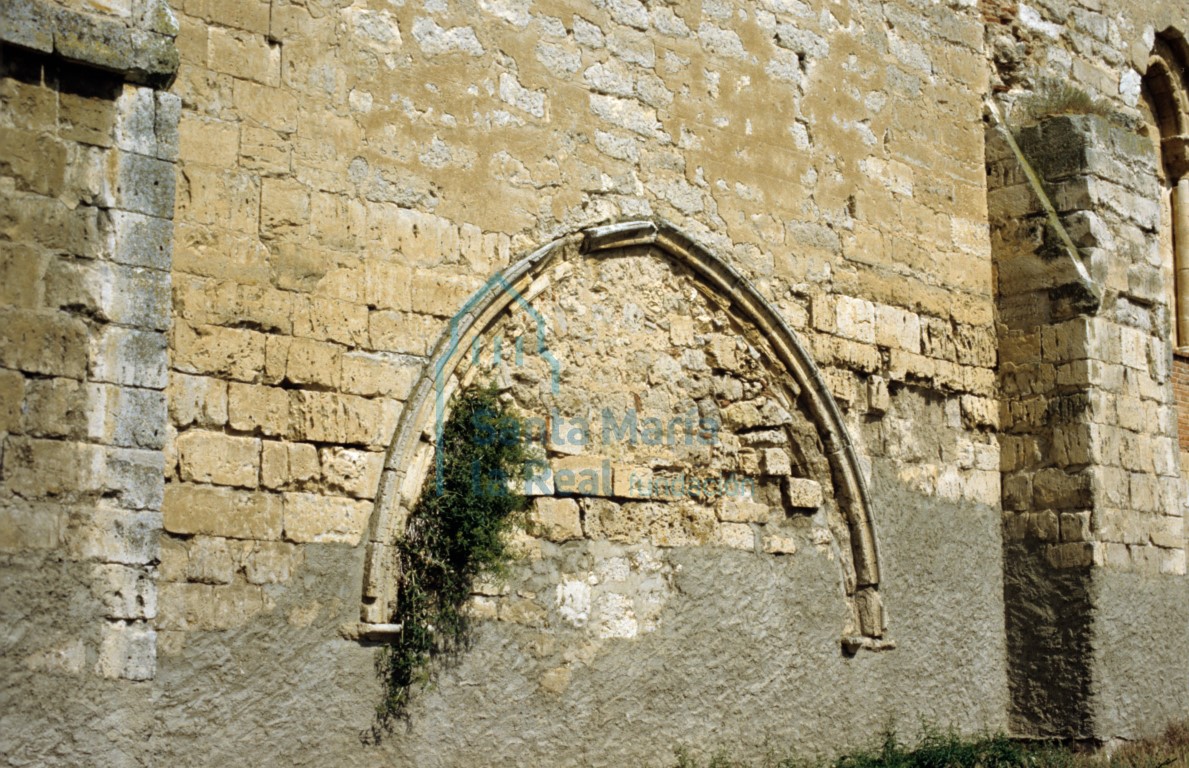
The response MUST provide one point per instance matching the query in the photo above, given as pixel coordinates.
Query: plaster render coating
(738, 628)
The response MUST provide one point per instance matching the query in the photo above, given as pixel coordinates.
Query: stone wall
(87, 151)
(350, 176)
(1092, 484)
(213, 425)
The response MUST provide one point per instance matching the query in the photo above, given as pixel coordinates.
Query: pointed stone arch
(410, 455)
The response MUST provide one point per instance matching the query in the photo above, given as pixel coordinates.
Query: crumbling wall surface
(87, 147)
(1099, 47)
(1093, 496)
(350, 175)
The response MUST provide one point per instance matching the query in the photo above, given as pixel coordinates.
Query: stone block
(741, 510)
(208, 141)
(1071, 555)
(539, 481)
(134, 477)
(174, 559)
(630, 481)
(215, 511)
(230, 201)
(12, 395)
(289, 465)
(328, 417)
(1168, 531)
(854, 319)
(1076, 526)
(39, 162)
(165, 124)
(270, 107)
(681, 331)
(114, 535)
(776, 462)
(1134, 347)
(1017, 492)
(979, 412)
(126, 416)
(50, 343)
(129, 356)
(28, 23)
(143, 184)
(128, 650)
(54, 407)
(803, 493)
(325, 519)
(1172, 561)
(373, 374)
(222, 352)
(555, 519)
(35, 468)
(249, 15)
(187, 607)
(352, 472)
(314, 363)
(209, 561)
(744, 415)
(721, 351)
(441, 295)
(522, 611)
(582, 475)
(264, 150)
(402, 332)
(258, 409)
(125, 592)
(213, 301)
(330, 320)
(214, 457)
(663, 524)
(22, 274)
(1057, 489)
(137, 240)
(284, 208)
(776, 544)
(1043, 526)
(200, 400)
(878, 398)
(134, 129)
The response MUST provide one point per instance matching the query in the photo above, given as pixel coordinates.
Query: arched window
(1165, 94)
(1165, 104)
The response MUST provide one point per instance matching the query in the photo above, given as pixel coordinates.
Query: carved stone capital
(1176, 156)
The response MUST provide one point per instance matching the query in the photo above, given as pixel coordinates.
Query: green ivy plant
(456, 533)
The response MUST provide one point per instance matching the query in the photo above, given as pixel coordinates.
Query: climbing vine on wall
(456, 533)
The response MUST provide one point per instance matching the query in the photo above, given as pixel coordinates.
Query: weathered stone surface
(347, 178)
(129, 651)
(213, 457)
(214, 511)
(324, 519)
(803, 493)
(555, 519)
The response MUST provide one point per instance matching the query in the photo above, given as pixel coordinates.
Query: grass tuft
(937, 749)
